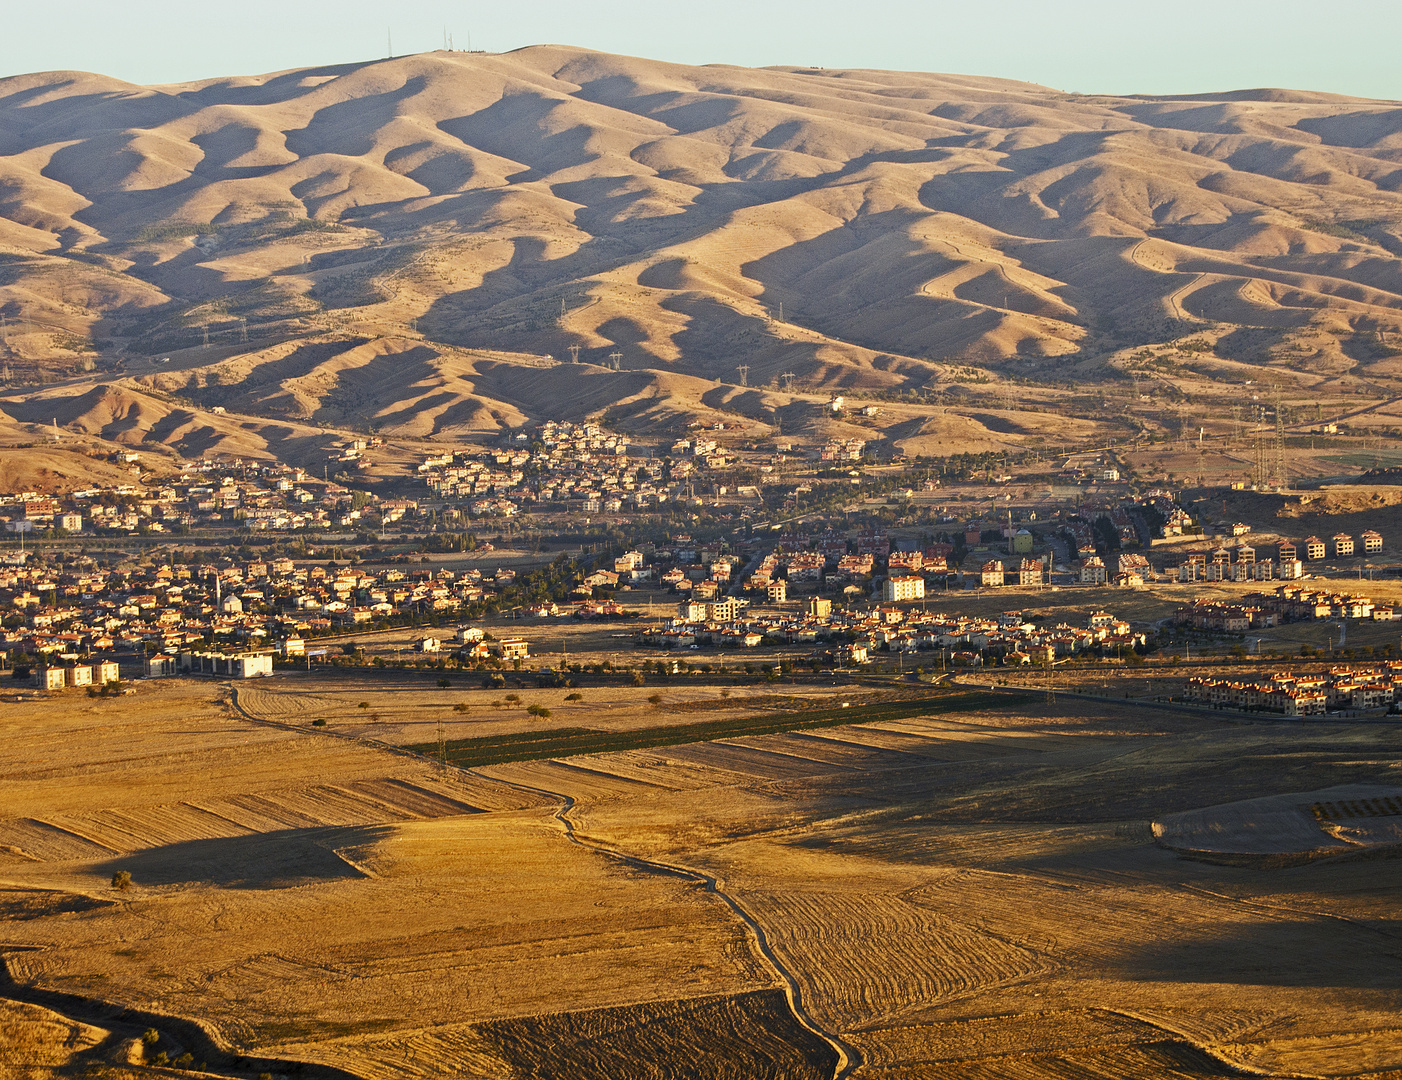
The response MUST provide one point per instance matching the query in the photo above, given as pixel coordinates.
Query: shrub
(655, 699)
(637, 678)
(363, 705)
(150, 1036)
(121, 881)
(319, 722)
(461, 706)
(443, 684)
(574, 697)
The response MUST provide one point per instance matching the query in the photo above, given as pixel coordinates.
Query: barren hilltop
(404, 242)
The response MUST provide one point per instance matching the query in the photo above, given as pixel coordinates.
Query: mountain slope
(660, 217)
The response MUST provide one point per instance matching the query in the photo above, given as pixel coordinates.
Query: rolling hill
(417, 244)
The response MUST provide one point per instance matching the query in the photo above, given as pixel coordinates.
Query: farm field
(985, 891)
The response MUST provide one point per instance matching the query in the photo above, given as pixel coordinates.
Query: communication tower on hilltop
(744, 370)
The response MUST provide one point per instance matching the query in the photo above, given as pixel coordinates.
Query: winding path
(848, 1057)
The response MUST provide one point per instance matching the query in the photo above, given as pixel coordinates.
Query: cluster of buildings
(567, 467)
(1302, 695)
(1239, 562)
(842, 450)
(1289, 603)
(852, 636)
(256, 496)
(76, 608)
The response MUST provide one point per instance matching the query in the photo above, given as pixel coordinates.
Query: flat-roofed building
(902, 589)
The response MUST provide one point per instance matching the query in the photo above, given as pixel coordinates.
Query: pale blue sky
(1090, 46)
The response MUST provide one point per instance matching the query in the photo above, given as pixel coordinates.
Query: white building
(233, 665)
(898, 589)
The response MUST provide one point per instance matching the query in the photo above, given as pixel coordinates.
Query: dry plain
(968, 893)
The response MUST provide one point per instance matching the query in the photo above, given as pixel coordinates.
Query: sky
(1083, 46)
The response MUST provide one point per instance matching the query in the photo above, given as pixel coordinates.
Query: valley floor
(963, 894)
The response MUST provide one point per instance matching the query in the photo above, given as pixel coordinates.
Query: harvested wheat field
(997, 890)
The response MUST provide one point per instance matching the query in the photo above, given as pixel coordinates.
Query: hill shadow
(270, 860)
(1305, 953)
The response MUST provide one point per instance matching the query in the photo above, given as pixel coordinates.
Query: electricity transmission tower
(788, 378)
(616, 358)
(1261, 467)
(744, 370)
(574, 354)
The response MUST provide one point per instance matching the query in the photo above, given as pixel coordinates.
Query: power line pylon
(744, 370)
(616, 358)
(574, 354)
(788, 377)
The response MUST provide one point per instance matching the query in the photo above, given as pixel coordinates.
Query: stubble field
(959, 894)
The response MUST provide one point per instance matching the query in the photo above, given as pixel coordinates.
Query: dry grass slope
(403, 241)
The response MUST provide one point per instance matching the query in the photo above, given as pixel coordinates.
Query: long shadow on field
(270, 860)
(1307, 952)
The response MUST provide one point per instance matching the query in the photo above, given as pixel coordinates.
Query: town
(212, 601)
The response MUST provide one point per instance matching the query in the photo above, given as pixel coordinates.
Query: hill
(416, 242)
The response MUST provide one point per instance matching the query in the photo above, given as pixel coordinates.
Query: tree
(121, 880)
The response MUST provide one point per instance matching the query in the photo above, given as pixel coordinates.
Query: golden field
(991, 893)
